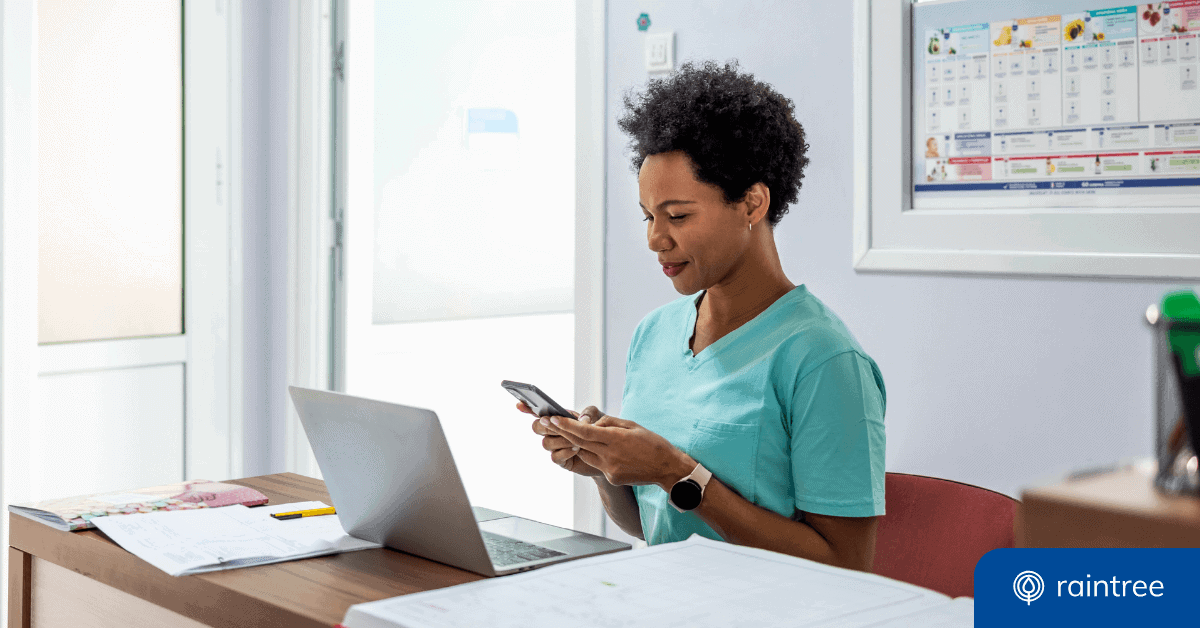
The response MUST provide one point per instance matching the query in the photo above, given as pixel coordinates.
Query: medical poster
(1095, 99)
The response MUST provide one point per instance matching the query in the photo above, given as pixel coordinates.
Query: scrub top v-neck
(787, 410)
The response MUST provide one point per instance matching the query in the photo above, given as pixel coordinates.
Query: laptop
(393, 481)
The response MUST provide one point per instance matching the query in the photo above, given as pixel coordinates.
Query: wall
(995, 381)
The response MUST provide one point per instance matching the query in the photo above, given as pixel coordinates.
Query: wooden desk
(1118, 509)
(83, 579)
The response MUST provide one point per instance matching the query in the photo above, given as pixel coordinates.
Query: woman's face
(699, 239)
(931, 144)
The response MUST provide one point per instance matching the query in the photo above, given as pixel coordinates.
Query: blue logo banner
(1030, 587)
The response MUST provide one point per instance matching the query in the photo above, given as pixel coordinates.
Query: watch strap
(700, 476)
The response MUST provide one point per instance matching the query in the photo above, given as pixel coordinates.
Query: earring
(751, 225)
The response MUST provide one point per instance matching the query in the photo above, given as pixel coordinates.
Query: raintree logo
(1028, 586)
(1021, 587)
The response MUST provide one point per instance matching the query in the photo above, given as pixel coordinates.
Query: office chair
(935, 531)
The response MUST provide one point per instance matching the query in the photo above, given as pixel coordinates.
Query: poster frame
(889, 236)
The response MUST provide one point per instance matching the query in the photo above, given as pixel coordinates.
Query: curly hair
(737, 131)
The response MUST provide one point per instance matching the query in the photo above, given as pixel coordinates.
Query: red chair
(936, 530)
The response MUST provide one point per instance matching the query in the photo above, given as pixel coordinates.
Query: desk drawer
(61, 598)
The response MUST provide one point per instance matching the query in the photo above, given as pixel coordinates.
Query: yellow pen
(304, 513)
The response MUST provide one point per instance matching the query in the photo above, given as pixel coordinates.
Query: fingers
(590, 415)
(612, 421)
(600, 419)
(524, 408)
(543, 427)
(587, 457)
(554, 443)
(563, 458)
(581, 433)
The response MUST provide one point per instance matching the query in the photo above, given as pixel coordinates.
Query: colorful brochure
(77, 513)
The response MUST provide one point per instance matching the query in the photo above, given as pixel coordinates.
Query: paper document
(196, 541)
(957, 613)
(693, 584)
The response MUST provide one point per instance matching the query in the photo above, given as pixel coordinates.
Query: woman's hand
(562, 452)
(625, 452)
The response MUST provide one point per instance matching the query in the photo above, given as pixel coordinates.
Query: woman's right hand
(562, 452)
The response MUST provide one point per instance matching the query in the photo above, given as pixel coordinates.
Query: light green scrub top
(787, 410)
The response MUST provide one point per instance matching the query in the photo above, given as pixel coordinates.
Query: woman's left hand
(627, 453)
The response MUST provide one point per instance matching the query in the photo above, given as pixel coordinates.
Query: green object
(787, 410)
(643, 21)
(1183, 306)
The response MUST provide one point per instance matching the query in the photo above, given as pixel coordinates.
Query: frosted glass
(474, 159)
(455, 368)
(110, 169)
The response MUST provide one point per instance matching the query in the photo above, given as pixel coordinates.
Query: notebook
(77, 513)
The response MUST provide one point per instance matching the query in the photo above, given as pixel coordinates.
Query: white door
(117, 222)
(457, 171)
(133, 240)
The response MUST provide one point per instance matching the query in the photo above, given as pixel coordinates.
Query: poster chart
(1094, 99)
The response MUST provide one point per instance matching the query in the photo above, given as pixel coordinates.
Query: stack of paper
(187, 542)
(693, 584)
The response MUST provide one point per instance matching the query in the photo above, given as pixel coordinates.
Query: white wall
(998, 382)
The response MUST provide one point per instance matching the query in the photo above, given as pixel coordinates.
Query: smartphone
(538, 401)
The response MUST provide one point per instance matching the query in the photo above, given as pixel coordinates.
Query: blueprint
(212, 539)
(693, 584)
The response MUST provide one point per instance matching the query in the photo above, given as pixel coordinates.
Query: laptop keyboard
(505, 551)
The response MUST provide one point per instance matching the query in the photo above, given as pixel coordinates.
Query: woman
(750, 412)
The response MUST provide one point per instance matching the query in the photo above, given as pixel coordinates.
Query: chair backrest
(936, 530)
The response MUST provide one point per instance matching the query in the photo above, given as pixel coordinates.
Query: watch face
(686, 494)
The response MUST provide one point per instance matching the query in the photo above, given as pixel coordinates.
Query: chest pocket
(730, 451)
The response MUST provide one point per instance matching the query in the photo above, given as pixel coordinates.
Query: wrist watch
(687, 493)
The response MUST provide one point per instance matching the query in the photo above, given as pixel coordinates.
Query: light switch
(660, 52)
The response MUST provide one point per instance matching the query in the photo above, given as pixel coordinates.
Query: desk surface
(1117, 509)
(310, 592)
